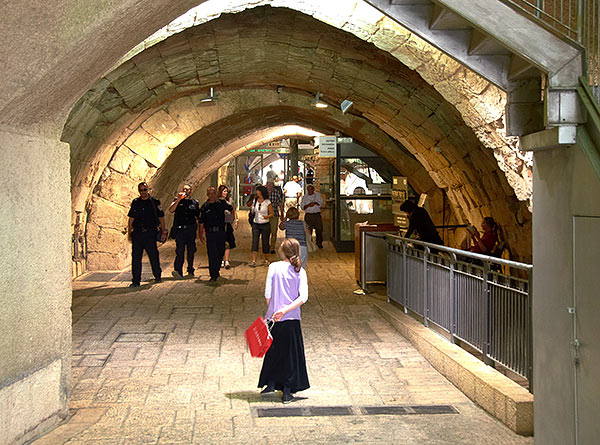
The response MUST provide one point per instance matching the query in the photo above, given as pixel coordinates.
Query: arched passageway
(153, 101)
(48, 68)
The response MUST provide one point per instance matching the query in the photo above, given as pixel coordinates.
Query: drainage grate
(142, 338)
(324, 411)
(411, 409)
(305, 411)
(192, 310)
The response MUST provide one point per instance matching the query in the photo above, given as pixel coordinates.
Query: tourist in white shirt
(292, 192)
(261, 227)
(311, 204)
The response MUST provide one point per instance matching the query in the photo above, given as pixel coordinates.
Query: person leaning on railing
(420, 222)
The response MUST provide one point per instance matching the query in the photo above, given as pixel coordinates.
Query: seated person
(484, 243)
(420, 222)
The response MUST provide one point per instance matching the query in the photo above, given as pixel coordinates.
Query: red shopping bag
(258, 337)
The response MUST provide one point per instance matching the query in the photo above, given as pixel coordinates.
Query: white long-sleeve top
(283, 286)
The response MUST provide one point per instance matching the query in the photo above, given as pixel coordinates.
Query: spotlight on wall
(317, 102)
(279, 89)
(345, 105)
(211, 96)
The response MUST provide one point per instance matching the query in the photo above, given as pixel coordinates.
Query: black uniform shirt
(186, 213)
(421, 222)
(145, 215)
(212, 214)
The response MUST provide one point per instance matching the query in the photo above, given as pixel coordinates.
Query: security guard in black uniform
(187, 211)
(145, 218)
(212, 221)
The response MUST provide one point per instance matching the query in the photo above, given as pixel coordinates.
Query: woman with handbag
(261, 227)
(286, 289)
(294, 228)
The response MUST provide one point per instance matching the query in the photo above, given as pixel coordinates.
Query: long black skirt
(284, 363)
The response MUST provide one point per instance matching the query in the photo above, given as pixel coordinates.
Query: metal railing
(577, 20)
(468, 296)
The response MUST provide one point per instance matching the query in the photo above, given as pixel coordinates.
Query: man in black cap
(145, 218)
(187, 211)
(212, 221)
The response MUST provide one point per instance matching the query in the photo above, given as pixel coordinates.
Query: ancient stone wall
(456, 136)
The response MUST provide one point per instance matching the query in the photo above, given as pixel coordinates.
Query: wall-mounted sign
(344, 140)
(267, 150)
(327, 146)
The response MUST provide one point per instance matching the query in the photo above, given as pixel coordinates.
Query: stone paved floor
(168, 364)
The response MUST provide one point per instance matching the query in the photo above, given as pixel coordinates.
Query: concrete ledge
(32, 406)
(497, 394)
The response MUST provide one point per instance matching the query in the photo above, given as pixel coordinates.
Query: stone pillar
(35, 284)
(565, 186)
(293, 157)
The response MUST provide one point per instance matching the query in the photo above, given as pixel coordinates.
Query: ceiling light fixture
(345, 105)
(317, 102)
(211, 97)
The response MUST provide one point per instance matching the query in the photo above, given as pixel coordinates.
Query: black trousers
(141, 241)
(185, 239)
(314, 221)
(215, 248)
(264, 231)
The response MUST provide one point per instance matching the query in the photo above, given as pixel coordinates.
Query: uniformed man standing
(212, 222)
(187, 211)
(145, 218)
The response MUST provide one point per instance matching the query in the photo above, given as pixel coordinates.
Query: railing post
(530, 330)
(487, 322)
(404, 278)
(452, 298)
(426, 252)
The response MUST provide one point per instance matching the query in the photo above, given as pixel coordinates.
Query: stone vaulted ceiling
(150, 104)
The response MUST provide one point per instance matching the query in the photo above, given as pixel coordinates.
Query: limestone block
(121, 159)
(160, 125)
(388, 37)
(151, 68)
(119, 189)
(107, 214)
(109, 261)
(84, 117)
(104, 239)
(147, 146)
(132, 88)
(139, 169)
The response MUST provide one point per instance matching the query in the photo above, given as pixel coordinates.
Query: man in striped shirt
(276, 198)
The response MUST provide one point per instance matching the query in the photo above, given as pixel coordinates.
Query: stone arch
(386, 93)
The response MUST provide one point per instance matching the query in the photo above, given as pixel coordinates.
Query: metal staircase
(508, 49)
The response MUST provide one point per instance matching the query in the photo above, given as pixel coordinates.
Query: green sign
(268, 150)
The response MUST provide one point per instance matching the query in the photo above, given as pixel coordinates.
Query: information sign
(327, 146)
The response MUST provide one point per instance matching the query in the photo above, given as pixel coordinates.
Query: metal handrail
(466, 253)
(464, 294)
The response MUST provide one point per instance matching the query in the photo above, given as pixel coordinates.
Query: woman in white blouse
(261, 227)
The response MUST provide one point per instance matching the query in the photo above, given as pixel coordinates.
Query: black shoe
(272, 251)
(213, 279)
(134, 285)
(190, 274)
(177, 274)
(287, 397)
(158, 280)
(268, 390)
(320, 247)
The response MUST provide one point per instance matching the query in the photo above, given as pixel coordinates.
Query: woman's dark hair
(408, 206)
(263, 191)
(495, 227)
(290, 249)
(220, 191)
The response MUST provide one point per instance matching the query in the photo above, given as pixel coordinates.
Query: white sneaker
(222, 263)
(227, 265)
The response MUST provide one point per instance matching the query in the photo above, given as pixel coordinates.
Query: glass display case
(362, 193)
